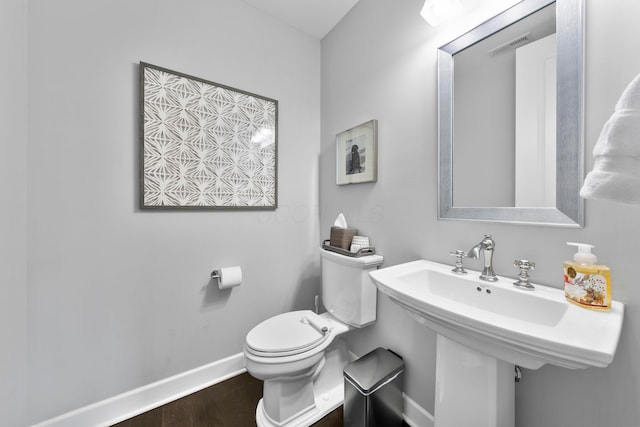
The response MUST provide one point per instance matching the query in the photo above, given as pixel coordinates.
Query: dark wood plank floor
(231, 403)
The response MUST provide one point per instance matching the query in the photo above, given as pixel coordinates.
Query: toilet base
(325, 404)
(328, 391)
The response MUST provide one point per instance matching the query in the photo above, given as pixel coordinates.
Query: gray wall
(380, 62)
(119, 298)
(13, 255)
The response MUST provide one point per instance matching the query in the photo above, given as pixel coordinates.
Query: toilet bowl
(299, 355)
(287, 344)
(288, 352)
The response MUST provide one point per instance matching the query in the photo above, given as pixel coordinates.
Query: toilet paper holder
(227, 277)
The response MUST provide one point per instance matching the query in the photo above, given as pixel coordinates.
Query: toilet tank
(348, 293)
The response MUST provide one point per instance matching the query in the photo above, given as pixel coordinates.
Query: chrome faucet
(487, 246)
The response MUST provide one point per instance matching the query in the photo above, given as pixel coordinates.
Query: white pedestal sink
(484, 329)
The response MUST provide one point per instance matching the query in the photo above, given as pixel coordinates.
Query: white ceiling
(313, 17)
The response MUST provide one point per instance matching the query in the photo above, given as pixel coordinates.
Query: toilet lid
(288, 333)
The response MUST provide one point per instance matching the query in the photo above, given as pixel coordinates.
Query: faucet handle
(459, 268)
(523, 279)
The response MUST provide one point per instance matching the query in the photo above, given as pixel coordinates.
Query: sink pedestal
(472, 389)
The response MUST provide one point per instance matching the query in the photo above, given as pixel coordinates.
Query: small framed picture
(357, 154)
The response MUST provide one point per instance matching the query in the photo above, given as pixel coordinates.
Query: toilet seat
(287, 334)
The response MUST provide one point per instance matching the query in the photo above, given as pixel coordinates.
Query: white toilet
(300, 356)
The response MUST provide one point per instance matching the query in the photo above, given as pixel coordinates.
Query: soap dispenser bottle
(586, 283)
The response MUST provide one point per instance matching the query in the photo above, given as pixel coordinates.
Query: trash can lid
(373, 369)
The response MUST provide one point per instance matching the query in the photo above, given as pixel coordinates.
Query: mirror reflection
(505, 97)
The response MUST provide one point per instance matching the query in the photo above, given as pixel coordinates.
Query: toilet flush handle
(323, 329)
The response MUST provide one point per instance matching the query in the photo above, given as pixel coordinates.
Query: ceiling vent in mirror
(511, 44)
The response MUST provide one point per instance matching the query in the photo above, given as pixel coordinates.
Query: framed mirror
(510, 118)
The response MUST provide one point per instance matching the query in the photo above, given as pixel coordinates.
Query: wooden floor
(231, 403)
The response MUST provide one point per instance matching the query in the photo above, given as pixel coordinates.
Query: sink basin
(524, 328)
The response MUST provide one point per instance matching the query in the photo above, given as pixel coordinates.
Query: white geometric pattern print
(206, 145)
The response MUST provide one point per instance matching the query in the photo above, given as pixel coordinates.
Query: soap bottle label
(588, 289)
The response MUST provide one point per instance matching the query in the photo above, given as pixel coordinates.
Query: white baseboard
(135, 402)
(415, 415)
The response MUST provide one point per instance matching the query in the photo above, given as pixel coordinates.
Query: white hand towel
(630, 98)
(620, 136)
(616, 170)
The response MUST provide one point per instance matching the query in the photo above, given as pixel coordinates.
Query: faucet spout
(486, 246)
(474, 252)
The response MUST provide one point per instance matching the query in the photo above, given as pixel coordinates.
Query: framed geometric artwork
(357, 154)
(205, 145)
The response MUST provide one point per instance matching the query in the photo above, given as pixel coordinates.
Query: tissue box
(341, 237)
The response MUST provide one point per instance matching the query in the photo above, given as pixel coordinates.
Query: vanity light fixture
(436, 12)
(616, 171)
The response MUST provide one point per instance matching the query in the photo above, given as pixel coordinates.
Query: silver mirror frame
(569, 210)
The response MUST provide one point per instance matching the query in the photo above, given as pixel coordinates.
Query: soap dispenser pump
(586, 283)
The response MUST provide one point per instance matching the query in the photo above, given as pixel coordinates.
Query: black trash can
(373, 390)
